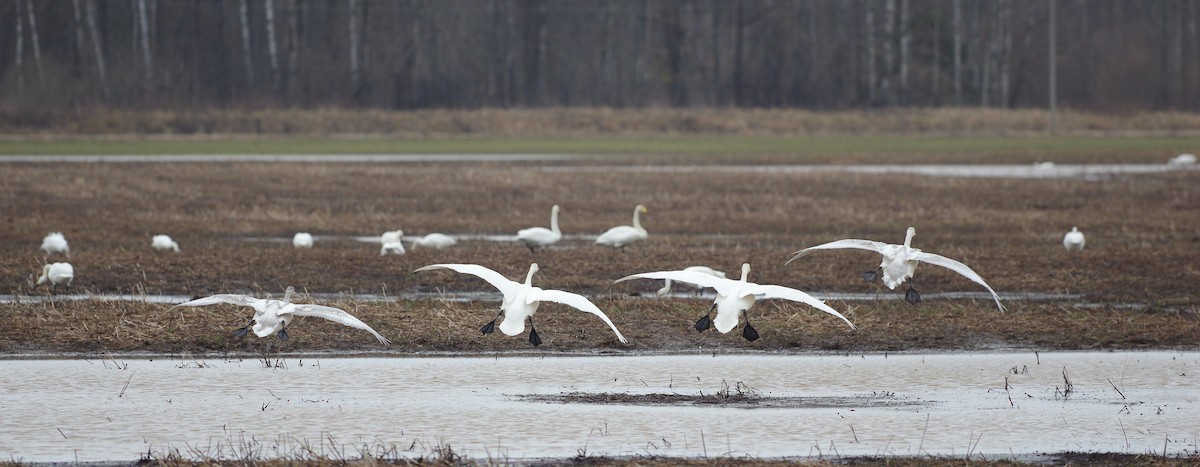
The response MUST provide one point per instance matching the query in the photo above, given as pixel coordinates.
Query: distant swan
(734, 298)
(434, 240)
(273, 316)
(1074, 240)
(622, 235)
(542, 237)
(899, 262)
(666, 289)
(56, 243)
(391, 243)
(164, 242)
(302, 240)
(58, 274)
(1183, 159)
(521, 300)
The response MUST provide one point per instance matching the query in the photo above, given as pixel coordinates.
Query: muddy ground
(1136, 280)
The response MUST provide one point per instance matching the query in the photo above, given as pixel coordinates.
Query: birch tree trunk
(354, 45)
(1005, 50)
(33, 40)
(99, 49)
(958, 23)
(145, 40)
(20, 49)
(905, 46)
(78, 34)
(889, 56)
(271, 48)
(870, 38)
(249, 61)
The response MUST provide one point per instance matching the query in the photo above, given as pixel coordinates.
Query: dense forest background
(1110, 55)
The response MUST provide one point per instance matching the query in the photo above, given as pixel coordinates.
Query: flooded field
(513, 407)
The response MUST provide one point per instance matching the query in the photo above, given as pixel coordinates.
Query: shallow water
(323, 158)
(953, 404)
(1084, 171)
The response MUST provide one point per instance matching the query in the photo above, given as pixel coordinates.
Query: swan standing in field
(701, 269)
(273, 316)
(391, 243)
(302, 240)
(621, 235)
(436, 241)
(899, 262)
(521, 301)
(542, 237)
(734, 298)
(164, 242)
(1183, 159)
(57, 274)
(1074, 240)
(56, 243)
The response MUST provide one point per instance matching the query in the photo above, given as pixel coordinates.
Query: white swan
(56, 243)
(434, 240)
(542, 237)
(701, 269)
(521, 300)
(164, 242)
(1183, 159)
(621, 235)
(302, 240)
(1074, 240)
(391, 243)
(899, 262)
(57, 274)
(273, 316)
(734, 298)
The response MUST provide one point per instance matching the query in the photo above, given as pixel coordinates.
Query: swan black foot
(533, 335)
(748, 332)
(912, 296)
(283, 335)
(241, 332)
(706, 320)
(870, 276)
(488, 328)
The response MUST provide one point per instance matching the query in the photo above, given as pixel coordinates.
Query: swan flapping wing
(787, 293)
(723, 286)
(492, 277)
(336, 315)
(939, 260)
(576, 301)
(232, 299)
(878, 247)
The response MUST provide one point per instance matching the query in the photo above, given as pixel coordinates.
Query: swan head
(640, 209)
(1074, 229)
(554, 210)
(533, 267)
(908, 236)
(45, 275)
(745, 271)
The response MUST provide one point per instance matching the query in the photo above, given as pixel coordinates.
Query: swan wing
(579, 302)
(787, 293)
(492, 277)
(232, 299)
(962, 269)
(723, 286)
(336, 315)
(853, 243)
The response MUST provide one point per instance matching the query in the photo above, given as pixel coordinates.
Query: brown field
(1137, 277)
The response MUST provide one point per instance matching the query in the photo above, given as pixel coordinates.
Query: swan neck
(287, 295)
(529, 277)
(637, 224)
(908, 237)
(745, 271)
(554, 220)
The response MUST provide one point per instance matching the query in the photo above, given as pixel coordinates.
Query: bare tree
(271, 48)
(958, 33)
(33, 40)
(78, 33)
(145, 41)
(20, 49)
(353, 14)
(905, 45)
(246, 52)
(869, 17)
(98, 48)
(1053, 65)
(889, 57)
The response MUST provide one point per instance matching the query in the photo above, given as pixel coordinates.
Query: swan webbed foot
(703, 324)
(912, 296)
(870, 276)
(283, 335)
(488, 328)
(748, 332)
(533, 337)
(242, 331)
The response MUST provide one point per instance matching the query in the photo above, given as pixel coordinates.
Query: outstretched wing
(577, 301)
(336, 315)
(939, 260)
(854, 243)
(723, 286)
(787, 293)
(232, 299)
(492, 277)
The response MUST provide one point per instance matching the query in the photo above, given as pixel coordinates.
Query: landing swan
(899, 262)
(521, 300)
(621, 235)
(1074, 240)
(434, 240)
(273, 316)
(701, 269)
(391, 243)
(542, 237)
(302, 240)
(164, 242)
(734, 298)
(56, 243)
(58, 274)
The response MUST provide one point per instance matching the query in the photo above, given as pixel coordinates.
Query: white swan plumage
(273, 316)
(302, 240)
(436, 241)
(1183, 159)
(734, 298)
(164, 242)
(666, 289)
(1074, 240)
(899, 263)
(622, 235)
(541, 237)
(55, 242)
(521, 300)
(57, 274)
(391, 243)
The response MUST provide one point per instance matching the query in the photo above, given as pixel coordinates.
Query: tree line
(1109, 55)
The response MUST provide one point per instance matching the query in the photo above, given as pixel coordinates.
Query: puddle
(1084, 171)
(407, 239)
(323, 158)
(990, 404)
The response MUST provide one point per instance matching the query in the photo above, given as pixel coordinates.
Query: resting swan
(436, 241)
(734, 298)
(1074, 240)
(391, 243)
(899, 262)
(521, 300)
(163, 242)
(542, 237)
(273, 316)
(621, 235)
(302, 240)
(56, 243)
(57, 274)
